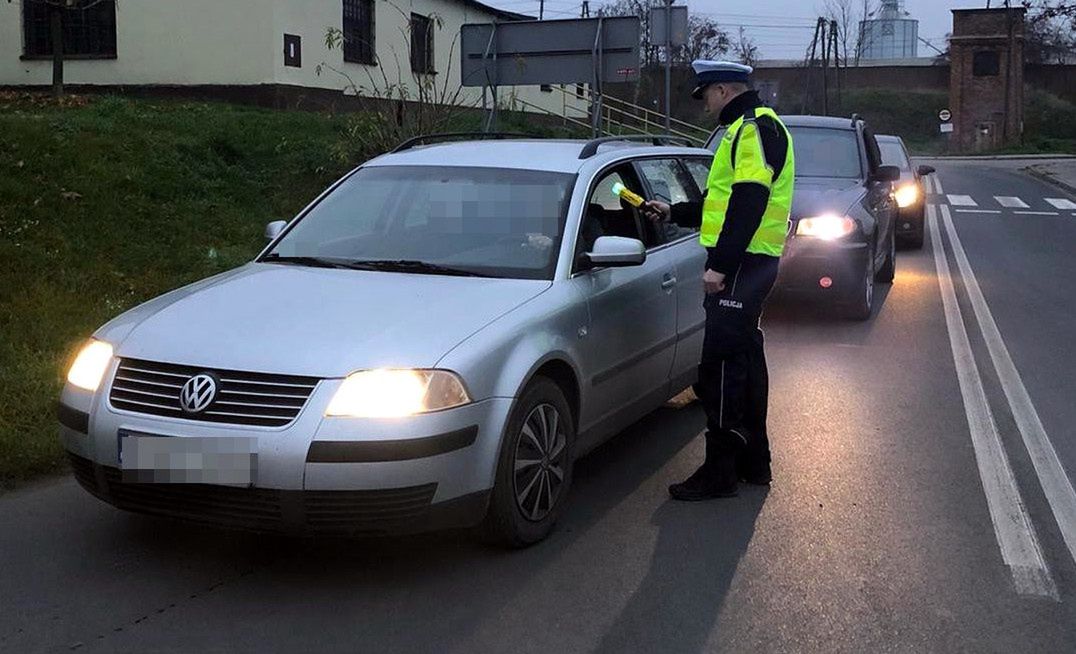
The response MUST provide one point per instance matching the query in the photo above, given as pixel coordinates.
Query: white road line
(1037, 213)
(1056, 485)
(978, 210)
(1011, 202)
(1061, 203)
(937, 183)
(962, 201)
(1015, 534)
(932, 184)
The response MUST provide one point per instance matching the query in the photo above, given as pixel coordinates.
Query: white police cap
(717, 72)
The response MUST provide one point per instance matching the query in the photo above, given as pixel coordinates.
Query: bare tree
(706, 39)
(845, 14)
(745, 49)
(57, 9)
(1050, 35)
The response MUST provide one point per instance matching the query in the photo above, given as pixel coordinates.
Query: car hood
(314, 321)
(816, 196)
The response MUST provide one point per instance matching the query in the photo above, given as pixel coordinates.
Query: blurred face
(717, 96)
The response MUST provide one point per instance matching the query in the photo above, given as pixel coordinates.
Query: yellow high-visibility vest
(749, 166)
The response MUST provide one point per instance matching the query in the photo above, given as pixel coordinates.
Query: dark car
(909, 191)
(841, 238)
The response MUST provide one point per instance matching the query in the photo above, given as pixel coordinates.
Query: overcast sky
(781, 28)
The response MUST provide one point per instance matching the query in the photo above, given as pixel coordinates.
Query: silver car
(431, 343)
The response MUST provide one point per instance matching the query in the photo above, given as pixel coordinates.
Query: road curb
(1051, 180)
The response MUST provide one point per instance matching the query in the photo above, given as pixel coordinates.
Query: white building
(267, 49)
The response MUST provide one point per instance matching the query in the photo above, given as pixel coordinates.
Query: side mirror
(925, 170)
(886, 174)
(617, 252)
(273, 229)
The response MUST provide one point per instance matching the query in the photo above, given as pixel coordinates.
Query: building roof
(499, 13)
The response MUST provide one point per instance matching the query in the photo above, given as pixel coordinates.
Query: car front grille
(351, 512)
(244, 398)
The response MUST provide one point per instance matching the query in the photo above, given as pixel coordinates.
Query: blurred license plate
(223, 460)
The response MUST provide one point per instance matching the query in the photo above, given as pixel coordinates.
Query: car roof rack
(429, 139)
(591, 148)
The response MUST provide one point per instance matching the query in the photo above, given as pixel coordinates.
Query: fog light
(825, 282)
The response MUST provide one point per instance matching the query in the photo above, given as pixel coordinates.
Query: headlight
(828, 227)
(397, 393)
(907, 195)
(90, 365)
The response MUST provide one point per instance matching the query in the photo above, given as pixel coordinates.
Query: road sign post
(669, 23)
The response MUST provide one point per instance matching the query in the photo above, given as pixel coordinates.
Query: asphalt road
(907, 513)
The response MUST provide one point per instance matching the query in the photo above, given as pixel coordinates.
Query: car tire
(859, 303)
(889, 267)
(534, 469)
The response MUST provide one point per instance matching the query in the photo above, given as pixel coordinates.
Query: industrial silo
(890, 34)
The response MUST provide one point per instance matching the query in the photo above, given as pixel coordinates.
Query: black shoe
(756, 475)
(705, 484)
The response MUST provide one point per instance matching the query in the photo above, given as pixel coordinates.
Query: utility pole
(541, 9)
(836, 48)
(668, 65)
(825, 66)
(808, 64)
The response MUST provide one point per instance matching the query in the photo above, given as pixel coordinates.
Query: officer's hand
(657, 211)
(713, 281)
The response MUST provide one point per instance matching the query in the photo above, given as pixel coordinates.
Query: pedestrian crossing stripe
(962, 201)
(1011, 202)
(1061, 203)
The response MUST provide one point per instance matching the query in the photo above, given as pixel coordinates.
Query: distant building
(268, 51)
(891, 34)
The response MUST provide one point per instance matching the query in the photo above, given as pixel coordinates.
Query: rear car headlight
(907, 195)
(397, 393)
(90, 365)
(828, 227)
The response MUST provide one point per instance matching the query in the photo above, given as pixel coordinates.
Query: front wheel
(534, 470)
(889, 267)
(860, 300)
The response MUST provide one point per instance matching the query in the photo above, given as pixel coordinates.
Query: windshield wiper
(411, 266)
(314, 262)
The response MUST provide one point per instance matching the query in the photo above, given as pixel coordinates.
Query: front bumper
(315, 474)
(806, 261)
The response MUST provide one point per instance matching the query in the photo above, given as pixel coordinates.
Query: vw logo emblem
(198, 393)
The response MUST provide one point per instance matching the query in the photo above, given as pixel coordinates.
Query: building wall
(188, 42)
(310, 20)
(241, 43)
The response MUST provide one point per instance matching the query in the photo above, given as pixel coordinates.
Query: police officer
(743, 221)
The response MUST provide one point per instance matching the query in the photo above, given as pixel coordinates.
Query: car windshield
(826, 152)
(439, 220)
(893, 154)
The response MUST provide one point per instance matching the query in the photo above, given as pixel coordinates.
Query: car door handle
(668, 282)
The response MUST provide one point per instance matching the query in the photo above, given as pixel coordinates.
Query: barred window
(89, 32)
(358, 26)
(421, 44)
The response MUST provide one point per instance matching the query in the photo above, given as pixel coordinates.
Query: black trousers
(733, 381)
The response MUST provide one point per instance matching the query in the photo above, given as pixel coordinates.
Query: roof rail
(428, 139)
(591, 148)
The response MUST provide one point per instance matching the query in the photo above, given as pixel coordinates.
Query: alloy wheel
(539, 462)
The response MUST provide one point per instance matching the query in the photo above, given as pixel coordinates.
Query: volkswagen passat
(431, 343)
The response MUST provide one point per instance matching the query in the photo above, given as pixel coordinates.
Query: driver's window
(606, 214)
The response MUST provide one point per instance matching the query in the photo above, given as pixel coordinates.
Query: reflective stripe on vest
(750, 167)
